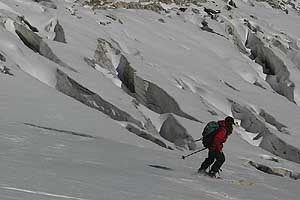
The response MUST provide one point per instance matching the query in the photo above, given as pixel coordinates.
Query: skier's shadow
(161, 167)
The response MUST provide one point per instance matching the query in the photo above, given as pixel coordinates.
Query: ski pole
(183, 157)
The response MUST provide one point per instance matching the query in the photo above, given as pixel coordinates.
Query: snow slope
(87, 96)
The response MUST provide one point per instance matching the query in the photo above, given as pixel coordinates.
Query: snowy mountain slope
(87, 95)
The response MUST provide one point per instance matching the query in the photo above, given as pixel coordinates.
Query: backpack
(209, 132)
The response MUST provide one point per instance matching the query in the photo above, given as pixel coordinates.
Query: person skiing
(215, 153)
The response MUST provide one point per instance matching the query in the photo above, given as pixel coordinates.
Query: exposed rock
(270, 141)
(271, 158)
(127, 75)
(73, 89)
(149, 94)
(277, 43)
(105, 54)
(59, 33)
(295, 175)
(199, 2)
(145, 135)
(148, 125)
(231, 3)
(156, 7)
(57, 30)
(264, 168)
(276, 4)
(253, 17)
(277, 171)
(295, 6)
(182, 9)
(278, 147)
(72, 10)
(47, 3)
(227, 7)
(104, 4)
(90, 62)
(259, 85)
(174, 132)
(212, 13)
(230, 86)
(254, 28)
(2, 57)
(36, 43)
(271, 120)
(275, 69)
(111, 16)
(249, 121)
(143, 4)
(196, 11)
(30, 39)
(22, 19)
(5, 70)
(205, 27)
(167, 1)
(120, 21)
(104, 23)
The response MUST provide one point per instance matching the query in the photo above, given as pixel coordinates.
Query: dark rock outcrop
(103, 55)
(2, 57)
(277, 171)
(146, 92)
(36, 43)
(55, 27)
(30, 39)
(146, 135)
(232, 3)
(59, 33)
(270, 141)
(174, 132)
(23, 20)
(71, 88)
(5, 70)
(231, 30)
(271, 120)
(264, 168)
(275, 69)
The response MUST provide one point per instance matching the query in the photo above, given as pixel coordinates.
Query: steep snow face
(100, 102)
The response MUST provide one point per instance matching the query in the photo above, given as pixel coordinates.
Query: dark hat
(229, 121)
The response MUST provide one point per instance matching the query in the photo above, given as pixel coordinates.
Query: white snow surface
(53, 146)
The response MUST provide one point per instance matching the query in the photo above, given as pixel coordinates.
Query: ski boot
(201, 171)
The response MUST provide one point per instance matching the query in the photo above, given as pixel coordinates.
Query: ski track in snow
(40, 193)
(197, 185)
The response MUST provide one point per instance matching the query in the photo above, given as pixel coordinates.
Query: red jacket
(219, 138)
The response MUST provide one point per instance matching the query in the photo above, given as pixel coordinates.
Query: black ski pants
(218, 158)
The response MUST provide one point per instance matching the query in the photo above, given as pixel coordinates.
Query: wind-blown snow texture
(99, 99)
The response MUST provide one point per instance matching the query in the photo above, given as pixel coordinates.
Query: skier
(215, 154)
